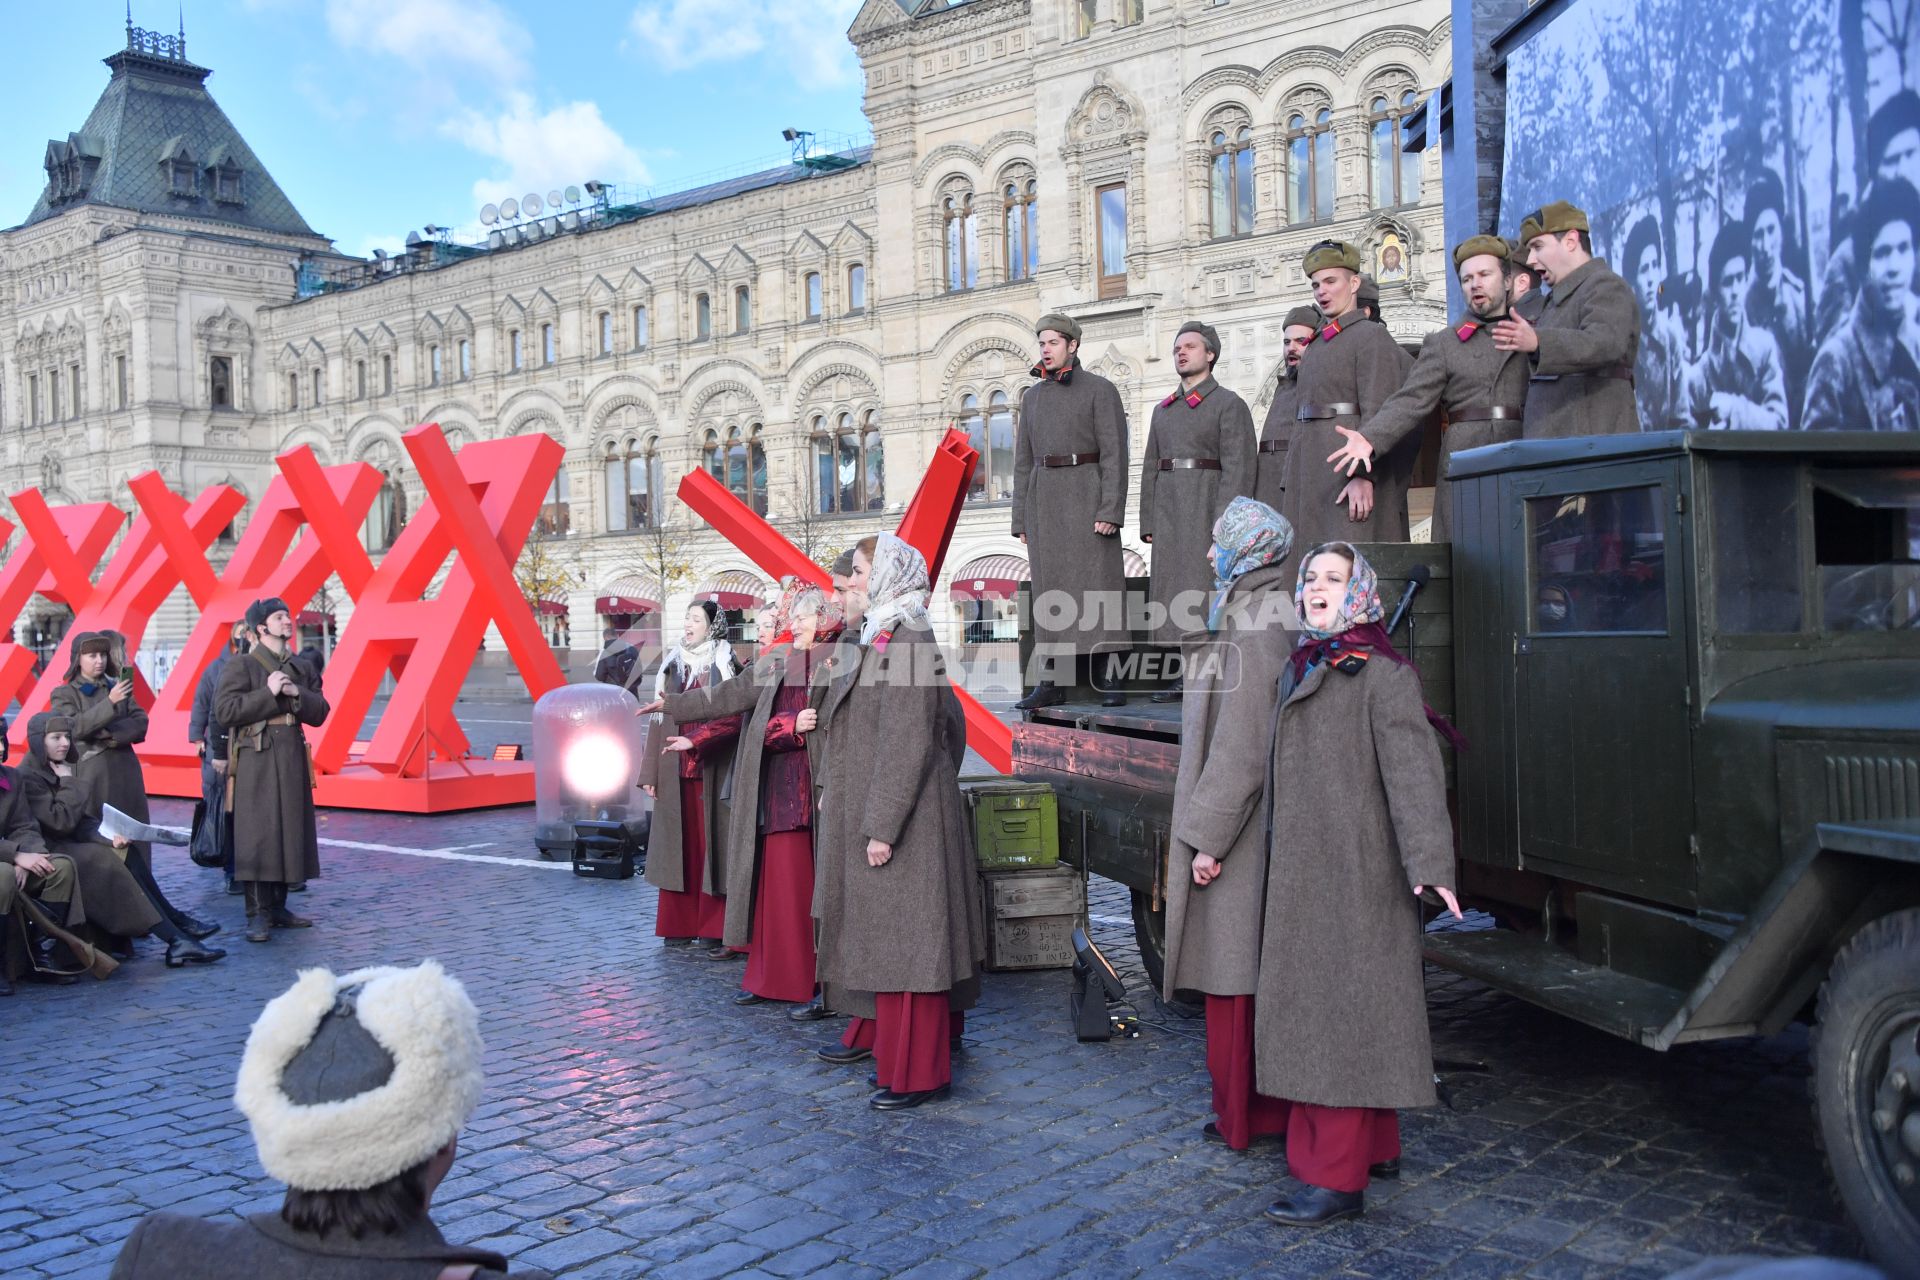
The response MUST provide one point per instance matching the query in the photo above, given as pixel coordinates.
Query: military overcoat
(1270, 481)
(1582, 376)
(1179, 504)
(270, 774)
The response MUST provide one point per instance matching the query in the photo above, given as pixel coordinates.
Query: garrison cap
(1331, 253)
(1475, 246)
(1308, 316)
(1552, 220)
(1064, 325)
(1208, 334)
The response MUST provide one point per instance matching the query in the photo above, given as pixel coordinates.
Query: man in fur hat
(356, 1088)
(262, 700)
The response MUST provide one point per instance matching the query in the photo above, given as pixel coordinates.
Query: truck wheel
(1150, 932)
(1866, 1083)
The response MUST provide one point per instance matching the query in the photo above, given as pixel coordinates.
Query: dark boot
(1169, 694)
(1311, 1206)
(279, 916)
(185, 950)
(258, 928)
(1044, 695)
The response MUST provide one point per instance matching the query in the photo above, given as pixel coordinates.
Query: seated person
(26, 868)
(356, 1088)
(62, 806)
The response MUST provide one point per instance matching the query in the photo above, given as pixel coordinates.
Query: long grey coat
(1178, 508)
(166, 1246)
(1057, 507)
(666, 861)
(1359, 818)
(1460, 370)
(274, 839)
(104, 734)
(64, 809)
(1360, 365)
(913, 924)
(1583, 372)
(1270, 483)
(1226, 727)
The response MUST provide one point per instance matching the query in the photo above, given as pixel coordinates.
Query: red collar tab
(1062, 375)
(1193, 399)
(1331, 331)
(1467, 330)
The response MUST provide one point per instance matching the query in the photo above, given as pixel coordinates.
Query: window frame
(1312, 128)
(1019, 196)
(1230, 150)
(606, 333)
(959, 241)
(702, 317)
(742, 310)
(1109, 286)
(813, 299)
(824, 435)
(639, 318)
(1391, 110)
(856, 288)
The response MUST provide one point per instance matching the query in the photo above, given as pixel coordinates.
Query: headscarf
(1355, 626)
(1248, 535)
(780, 609)
(713, 651)
(897, 587)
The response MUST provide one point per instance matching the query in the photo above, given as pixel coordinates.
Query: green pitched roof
(157, 142)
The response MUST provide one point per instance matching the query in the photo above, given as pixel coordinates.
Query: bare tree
(821, 538)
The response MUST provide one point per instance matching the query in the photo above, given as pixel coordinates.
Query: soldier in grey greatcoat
(1200, 456)
(1069, 498)
(1482, 389)
(1346, 375)
(1584, 346)
(1297, 333)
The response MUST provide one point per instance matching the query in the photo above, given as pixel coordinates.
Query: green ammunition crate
(1015, 824)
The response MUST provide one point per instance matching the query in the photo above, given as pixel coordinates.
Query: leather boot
(279, 916)
(258, 929)
(185, 950)
(1044, 695)
(1311, 1206)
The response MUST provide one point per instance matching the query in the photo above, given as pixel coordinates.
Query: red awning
(623, 604)
(995, 577)
(312, 618)
(629, 593)
(735, 589)
(549, 608)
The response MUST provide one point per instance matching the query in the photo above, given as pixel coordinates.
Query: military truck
(1687, 666)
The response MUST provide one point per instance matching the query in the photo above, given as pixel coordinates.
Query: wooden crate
(1030, 915)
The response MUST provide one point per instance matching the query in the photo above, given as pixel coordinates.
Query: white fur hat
(394, 1074)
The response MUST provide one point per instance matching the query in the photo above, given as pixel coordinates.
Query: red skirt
(1332, 1147)
(691, 913)
(781, 961)
(912, 1040)
(1241, 1112)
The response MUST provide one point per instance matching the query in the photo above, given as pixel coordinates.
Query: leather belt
(1189, 464)
(1487, 413)
(1069, 459)
(285, 717)
(1311, 412)
(1618, 372)
(1273, 446)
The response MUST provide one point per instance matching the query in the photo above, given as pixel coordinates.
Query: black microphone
(1417, 577)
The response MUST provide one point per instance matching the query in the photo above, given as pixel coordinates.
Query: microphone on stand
(1417, 577)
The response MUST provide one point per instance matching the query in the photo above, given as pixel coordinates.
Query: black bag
(204, 845)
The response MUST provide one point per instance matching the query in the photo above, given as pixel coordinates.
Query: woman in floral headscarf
(1217, 854)
(899, 897)
(1359, 830)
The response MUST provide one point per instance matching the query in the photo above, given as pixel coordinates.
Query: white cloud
(536, 150)
(475, 35)
(809, 40)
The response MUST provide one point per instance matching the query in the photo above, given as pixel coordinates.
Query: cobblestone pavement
(638, 1123)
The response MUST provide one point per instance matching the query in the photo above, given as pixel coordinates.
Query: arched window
(639, 327)
(1396, 172)
(813, 295)
(742, 309)
(388, 515)
(466, 359)
(1230, 151)
(990, 428)
(960, 232)
(360, 379)
(1310, 166)
(741, 464)
(857, 287)
(633, 478)
(850, 467)
(1017, 201)
(555, 519)
(702, 317)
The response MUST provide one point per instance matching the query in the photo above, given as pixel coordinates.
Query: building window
(555, 519)
(747, 467)
(293, 391)
(1310, 167)
(220, 382)
(990, 431)
(73, 389)
(1110, 212)
(1130, 13)
(960, 231)
(606, 333)
(548, 352)
(1231, 190)
(360, 379)
(388, 515)
(633, 478)
(813, 295)
(1396, 172)
(33, 398)
(1087, 11)
(850, 464)
(742, 309)
(227, 186)
(857, 287)
(702, 317)
(119, 382)
(639, 328)
(433, 365)
(515, 356)
(319, 386)
(1022, 237)
(386, 375)
(466, 359)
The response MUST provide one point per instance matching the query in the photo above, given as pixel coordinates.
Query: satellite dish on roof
(553, 198)
(489, 214)
(530, 204)
(573, 195)
(379, 255)
(509, 208)
(413, 240)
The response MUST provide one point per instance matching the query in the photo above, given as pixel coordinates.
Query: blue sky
(380, 116)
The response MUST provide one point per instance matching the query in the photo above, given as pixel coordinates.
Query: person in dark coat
(900, 896)
(1345, 376)
(1069, 500)
(262, 700)
(116, 902)
(214, 835)
(1584, 347)
(1297, 333)
(97, 699)
(1201, 454)
(1865, 377)
(1360, 830)
(355, 1089)
(29, 867)
(1777, 298)
(1482, 389)
(1217, 851)
(1660, 369)
(1741, 385)
(684, 860)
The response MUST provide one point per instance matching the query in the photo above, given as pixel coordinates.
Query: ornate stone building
(808, 332)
